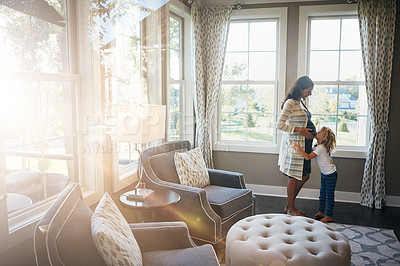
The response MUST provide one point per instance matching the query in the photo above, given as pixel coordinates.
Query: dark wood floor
(344, 213)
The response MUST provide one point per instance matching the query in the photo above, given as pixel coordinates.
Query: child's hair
(328, 139)
(294, 92)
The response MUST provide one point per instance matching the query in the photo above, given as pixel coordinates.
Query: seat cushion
(191, 168)
(112, 235)
(201, 256)
(226, 201)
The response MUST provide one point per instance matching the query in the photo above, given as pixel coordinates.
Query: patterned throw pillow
(112, 235)
(191, 168)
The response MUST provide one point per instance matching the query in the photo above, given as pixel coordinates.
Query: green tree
(343, 126)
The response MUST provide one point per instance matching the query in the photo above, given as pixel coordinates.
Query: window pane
(324, 65)
(238, 37)
(37, 120)
(350, 34)
(352, 100)
(235, 67)
(127, 153)
(263, 36)
(175, 65)
(351, 67)
(174, 33)
(33, 110)
(174, 111)
(324, 121)
(325, 34)
(29, 43)
(234, 98)
(351, 131)
(323, 100)
(262, 65)
(260, 127)
(261, 98)
(233, 126)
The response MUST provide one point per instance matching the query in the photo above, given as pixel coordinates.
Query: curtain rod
(237, 6)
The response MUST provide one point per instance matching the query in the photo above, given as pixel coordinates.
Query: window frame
(258, 146)
(320, 11)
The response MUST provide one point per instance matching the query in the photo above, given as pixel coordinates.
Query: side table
(145, 209)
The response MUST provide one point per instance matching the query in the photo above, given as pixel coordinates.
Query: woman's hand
(304, 131)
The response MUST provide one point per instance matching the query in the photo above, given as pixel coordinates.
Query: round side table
(145, 209)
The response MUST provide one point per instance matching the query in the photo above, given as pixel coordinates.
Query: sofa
(63, 237)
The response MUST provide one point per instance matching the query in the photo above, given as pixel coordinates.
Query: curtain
(377, 25)
(211, 26)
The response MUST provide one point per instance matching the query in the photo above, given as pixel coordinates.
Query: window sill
(260, 147)
(242, 146)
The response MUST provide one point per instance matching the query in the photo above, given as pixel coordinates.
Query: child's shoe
(319, 215)
(326, 219)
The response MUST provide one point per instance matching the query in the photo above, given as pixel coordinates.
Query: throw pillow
(112, 235)
(191, 168)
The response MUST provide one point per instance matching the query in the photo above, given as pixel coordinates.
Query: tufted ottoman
(280, 239)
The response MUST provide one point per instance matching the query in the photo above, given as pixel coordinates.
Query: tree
(343, 126)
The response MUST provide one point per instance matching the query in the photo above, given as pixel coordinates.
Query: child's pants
(327, 193)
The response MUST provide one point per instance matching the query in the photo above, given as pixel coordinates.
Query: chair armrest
(162, 236)
(226, 178)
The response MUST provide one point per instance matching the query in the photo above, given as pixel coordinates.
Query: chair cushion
(201, 256)
(112, 235)
(191, 168)
(226, 201)
(163, 166)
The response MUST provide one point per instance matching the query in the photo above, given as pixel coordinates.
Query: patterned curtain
(211, 26)
(377, 25)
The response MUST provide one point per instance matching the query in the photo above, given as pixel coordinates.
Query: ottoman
(280, 239)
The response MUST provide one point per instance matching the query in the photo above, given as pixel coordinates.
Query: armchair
(209, 212)
(63, 237)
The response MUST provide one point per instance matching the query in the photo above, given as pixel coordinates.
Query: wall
(262, 169)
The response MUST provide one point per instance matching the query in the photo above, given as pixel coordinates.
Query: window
(39, 142)
(334, 63)
(127, 43)
(179, 95)
(253, 81)
(177, 82)
(118, 41)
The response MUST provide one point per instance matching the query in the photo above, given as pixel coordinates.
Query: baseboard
(309, 193)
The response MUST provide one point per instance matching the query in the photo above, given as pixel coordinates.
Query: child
(322, 153)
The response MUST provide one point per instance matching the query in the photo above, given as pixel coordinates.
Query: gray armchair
(209, 212)
(63, 237)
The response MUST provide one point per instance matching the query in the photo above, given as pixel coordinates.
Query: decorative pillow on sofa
(112, 235)
(191, 168)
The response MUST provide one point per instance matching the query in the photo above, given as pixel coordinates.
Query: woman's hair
(299, 86)
(328, 139)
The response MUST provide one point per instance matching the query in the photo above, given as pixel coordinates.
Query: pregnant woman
(295, 122)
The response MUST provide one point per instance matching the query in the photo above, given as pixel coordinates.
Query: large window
(334, 63)
(39, 142)
(179, 94)
(250, 82)
(253, 81)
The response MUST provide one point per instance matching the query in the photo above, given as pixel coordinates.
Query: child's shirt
(324, 160)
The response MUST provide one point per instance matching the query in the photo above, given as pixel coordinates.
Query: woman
(295, 121)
